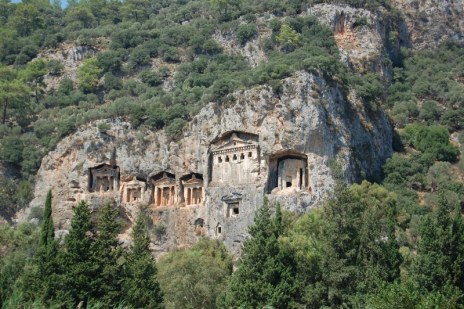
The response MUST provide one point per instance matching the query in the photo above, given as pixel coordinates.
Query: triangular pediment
(232, 198)
(193, 181)
(134, 184)
(164, 181)
(234, 144)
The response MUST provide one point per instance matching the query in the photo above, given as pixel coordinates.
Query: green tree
(266, 272)
(26, 19)
(41, 277)
(193, 278)
(78, 258)
(33, 75)
(440, 251)
(88, 75)
(17, 243)
(47, 234)
(13, 92)
(106, 286)
(140, 285)
(359, 250)
(288, 38)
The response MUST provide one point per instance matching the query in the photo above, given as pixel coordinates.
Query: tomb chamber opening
(164, 189)
(234, 159)
(288, 171)
(192, 191)
(104, 178)
(133, 190)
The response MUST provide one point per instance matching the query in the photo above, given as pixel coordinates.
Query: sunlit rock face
(211, 181)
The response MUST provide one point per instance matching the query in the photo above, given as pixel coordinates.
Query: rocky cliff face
(212, 180)
(430, 22)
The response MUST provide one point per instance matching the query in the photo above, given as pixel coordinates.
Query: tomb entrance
(133, 190)
(288, 170)
(164, 189)
(233, 204)
(104, 178)
(192, 186)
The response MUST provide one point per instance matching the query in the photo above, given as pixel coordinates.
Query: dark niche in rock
(104, 178)
(288, 171)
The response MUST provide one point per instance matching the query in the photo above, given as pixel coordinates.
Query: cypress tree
(140, 286)
(266, 272)
(40, 281)
(47, 233)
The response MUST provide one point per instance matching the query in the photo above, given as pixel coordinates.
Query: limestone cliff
(431, 22)
(212, 180)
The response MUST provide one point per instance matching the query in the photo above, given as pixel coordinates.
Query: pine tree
(266, 273)
(440, 251)
(359, 249)
(106, 286)
(141, 288)
(78, 258)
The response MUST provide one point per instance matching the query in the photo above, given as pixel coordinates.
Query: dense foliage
(345, 255)
(88, 266)
(397, 244)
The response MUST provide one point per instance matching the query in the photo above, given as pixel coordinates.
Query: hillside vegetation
(397, 243)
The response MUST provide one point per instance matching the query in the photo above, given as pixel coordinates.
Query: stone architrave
(165, 191)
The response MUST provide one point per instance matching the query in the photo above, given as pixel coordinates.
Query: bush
(110, 61)
(433, 140)
(246, 32)
(55, 67)
(151, 78)
(112, 82)
(175, 128)
(12, 150)
(139, 57)
(88, 75)
(103, 127)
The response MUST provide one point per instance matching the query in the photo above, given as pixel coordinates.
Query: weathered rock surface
(70, 55)
(431, 22)
(310, 120)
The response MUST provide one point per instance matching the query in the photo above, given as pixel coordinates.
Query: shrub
(88, 75)
(110, 61)
(175, 127)
(151, 78)
(103, 127)
(55, 67)
(139, 57)
(246, 32)
(12, 150)
(112, 82)
(433, 140)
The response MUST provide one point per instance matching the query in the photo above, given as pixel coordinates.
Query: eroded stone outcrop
(431, 22)
(212, 180)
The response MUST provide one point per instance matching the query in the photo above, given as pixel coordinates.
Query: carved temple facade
(104, 178)
(235, 160)
(164, 189)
